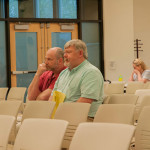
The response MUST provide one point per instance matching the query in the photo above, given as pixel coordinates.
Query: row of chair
(38, 134)
(47, 134)
(14, 93)
(114, 87)
(120, 87)
(76, 113)
(140, 99)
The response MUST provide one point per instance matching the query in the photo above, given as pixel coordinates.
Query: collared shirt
(85, 81)
(47, 80)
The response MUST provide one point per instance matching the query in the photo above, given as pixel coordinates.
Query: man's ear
(81, 53)
(60, 60)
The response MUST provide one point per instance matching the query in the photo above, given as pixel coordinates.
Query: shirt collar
(79, 66)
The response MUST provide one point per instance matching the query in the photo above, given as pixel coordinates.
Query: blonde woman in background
(140, 72)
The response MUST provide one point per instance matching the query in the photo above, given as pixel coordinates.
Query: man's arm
(85, 100)
(50, 98)
(33, 90)
(44, 95)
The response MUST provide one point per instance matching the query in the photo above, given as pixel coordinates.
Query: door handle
(22, 72)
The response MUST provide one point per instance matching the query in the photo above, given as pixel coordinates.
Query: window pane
(89, 10)
(13, 9)
(60, 38)
(2, 9)
(44, 8)
(3, 74)
(31, 8)
(26, 9)
(90, 35)
(26, 51)
(68, 9)
(26, 57)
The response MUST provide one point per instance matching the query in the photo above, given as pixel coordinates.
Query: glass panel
(24, 80)
(60, 38)
(26, 9)
(90, 35)
(31, 8)
(13, 9)
(3, 74)
(26, 57)
(44, 9)
(89, 10)
(68, 9)
(26, 51)
(2, 9)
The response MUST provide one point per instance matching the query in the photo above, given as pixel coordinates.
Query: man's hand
(41, 69)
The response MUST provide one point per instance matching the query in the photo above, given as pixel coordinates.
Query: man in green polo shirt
(81, 81)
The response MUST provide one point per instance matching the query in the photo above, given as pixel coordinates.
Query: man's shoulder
(64, 71)
(88, 67)
(47, 73)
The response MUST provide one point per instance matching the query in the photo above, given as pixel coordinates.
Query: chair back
(74, 113)
(102, 136)
(10, 107)
(3, 93)
(38, 109)
(145, 102)
(123, 99)
(142, 134)
(141, 93)
(6, 124)
(16, 93)
(132, 86)
(115, 113)
(114, 88)
(40, 134)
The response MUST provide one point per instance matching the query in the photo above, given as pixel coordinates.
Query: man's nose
(65, 55)
(45, 61)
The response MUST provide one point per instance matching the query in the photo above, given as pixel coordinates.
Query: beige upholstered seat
(115, 113)
(74, 113)
(3, 93)
(145, 102)
(132, 86)
(123, 99)
(141, 93)
(16, 93)
(102, 136)
(114, 88)
(6, 124)
(38, 109)
(142, 134)
(40, 134)
(10, 107)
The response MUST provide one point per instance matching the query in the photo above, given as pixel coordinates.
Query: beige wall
(118, 38)
(142, 27)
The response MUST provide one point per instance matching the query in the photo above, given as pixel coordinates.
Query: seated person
(46, 75)
(81, 81)
(140, 72)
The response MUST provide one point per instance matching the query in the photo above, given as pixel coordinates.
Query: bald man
(46, 75)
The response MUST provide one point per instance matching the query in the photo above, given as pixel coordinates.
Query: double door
(29, 43)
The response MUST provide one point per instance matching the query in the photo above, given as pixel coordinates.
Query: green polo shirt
(83, 81)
